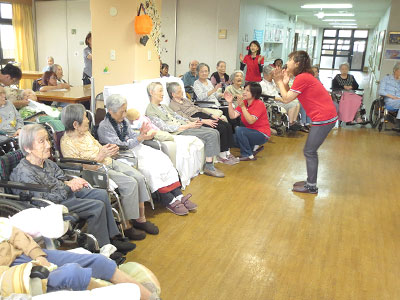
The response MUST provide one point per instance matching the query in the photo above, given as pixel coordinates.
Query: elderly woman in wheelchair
(10, 120)
(390, 90)
(154, 164)
(271, 91)
(92, 205)
(77, 142)
(68, 270)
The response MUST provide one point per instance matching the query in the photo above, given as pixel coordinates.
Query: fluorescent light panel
(325, 5)
(339, 26)
(344, 24)
(337, 15)
(339, 20)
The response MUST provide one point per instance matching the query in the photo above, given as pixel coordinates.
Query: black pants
(166, 198)
(224, 129)
(234, 122)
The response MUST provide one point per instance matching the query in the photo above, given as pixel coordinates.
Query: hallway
(252, 238)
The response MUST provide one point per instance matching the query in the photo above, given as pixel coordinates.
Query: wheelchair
(10, 204)
(380, 116)
(277, 115)
(361, 113)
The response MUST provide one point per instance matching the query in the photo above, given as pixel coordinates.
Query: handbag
(143, 23)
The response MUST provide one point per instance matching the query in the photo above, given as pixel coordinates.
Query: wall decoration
(394, 37)
(155, 34)
(392, 54)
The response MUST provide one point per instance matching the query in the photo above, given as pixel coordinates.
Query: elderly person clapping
(188, 110)
(204, 89)
(154, 164)
(390, 89)
(10, 120)
(77, 142)
(92, 205)
(168, 120)
(269, 88)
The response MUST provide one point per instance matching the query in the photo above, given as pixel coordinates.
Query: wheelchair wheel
(375, 114)
(9, 208)
(280, 131)
(380, 126)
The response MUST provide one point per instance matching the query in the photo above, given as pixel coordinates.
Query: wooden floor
(252, 238)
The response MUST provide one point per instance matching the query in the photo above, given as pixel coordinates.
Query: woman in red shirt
(253, 114)
(318, 105)
(254, 62)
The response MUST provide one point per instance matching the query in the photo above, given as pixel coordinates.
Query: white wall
(168, 32)
(54, 22)
(256, 15)
(198, 23)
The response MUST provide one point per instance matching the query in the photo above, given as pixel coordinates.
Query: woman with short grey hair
(78, 142)
(168, 120)
(154, 164)
(237, 80)
(92, 205)
(390, 89)
(204, 89)
(344, 80)
(185, 108)
(220, 76)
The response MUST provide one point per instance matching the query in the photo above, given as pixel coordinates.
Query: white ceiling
(367, 12)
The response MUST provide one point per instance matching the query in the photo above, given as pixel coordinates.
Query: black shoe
(123, 247)
(147, 226)
(295, 126)
(116, 255)
(134, 235)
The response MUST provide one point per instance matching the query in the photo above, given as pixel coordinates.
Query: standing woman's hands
(278, 74)
(260, 58)
(241, 57)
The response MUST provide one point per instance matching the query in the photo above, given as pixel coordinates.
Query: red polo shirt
(256, 109)
(252, 72)
(315, 99)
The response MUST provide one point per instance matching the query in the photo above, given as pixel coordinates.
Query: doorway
(343, 45)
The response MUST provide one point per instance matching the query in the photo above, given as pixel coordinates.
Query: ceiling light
(338, 15)
(344, 24)
(339, 20)
(342, 5)
(320, 15)
(339, 26)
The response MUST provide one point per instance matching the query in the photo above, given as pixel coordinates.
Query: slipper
(147, 226)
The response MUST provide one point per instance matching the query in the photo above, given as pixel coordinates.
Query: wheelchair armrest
(72, 217)
(78, 161)
(267, 97)
(25, 186)
(123, 148)
(74, 167)
(153, 144)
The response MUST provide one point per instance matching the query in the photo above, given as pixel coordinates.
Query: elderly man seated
(92, 205)
(390, 89)
(10, 120)
(269, 88)
(191, 76)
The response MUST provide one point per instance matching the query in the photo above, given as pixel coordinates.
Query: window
(7, 44)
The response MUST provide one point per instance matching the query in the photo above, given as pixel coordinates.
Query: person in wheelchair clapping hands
(187, 109)
(10, 120)
(253, 114)
(77, 142)
(154, 164)
(92, 205)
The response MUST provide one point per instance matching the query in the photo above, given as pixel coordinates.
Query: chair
(277, 115)
(10, 204)
(337, 95)
(37, 84)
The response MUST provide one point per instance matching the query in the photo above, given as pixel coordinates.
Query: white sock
(179, 197)
(173, 200)
(222, 154)
(256, 147)
(251, 156)
(228, 152)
